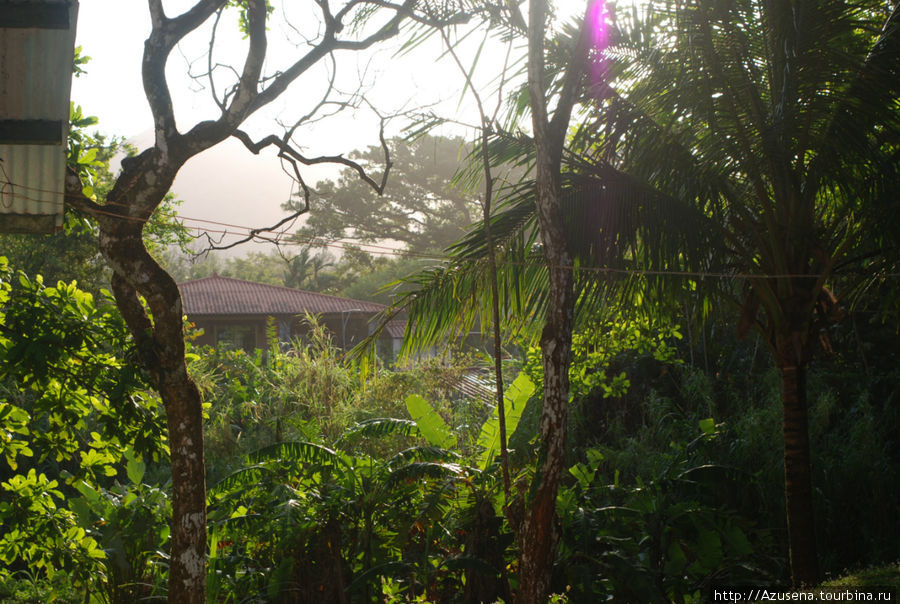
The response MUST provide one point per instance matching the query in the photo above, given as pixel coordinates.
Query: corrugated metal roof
(396, 328)
(476, 385)
(226, 296)
(35, 83)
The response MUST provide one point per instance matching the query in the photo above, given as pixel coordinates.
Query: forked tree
(146, 179)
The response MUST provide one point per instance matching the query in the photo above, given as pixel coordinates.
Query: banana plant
(306, 518)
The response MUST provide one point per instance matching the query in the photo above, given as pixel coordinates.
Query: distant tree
(306, 270)
(186, 265)
(419, 208)
(256, 266)
(375, 285)
(286, 267)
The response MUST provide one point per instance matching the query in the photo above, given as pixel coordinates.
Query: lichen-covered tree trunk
(160, 341)
(537, 531)
(162, 353)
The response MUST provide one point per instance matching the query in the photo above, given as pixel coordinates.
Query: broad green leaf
(430, 424)
(135, 470)
(708, 426)
(515, 398)
(134, 467)
(90, 494)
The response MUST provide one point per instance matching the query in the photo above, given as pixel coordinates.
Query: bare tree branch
(254, 233)
(210, 67)
(286, 150)
(165, 35)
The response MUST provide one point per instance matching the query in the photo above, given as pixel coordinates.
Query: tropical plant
(75, 407)
(759, 141)
(779, 121)
(306, 521)
(661, 538)
(129, 520)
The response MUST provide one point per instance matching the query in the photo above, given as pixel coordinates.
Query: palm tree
(304, 268)
(773, 125)
(780, 121)
(452, 298)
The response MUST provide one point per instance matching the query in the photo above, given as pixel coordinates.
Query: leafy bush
(76, 415)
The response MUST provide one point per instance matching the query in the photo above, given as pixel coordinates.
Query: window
(236, 337)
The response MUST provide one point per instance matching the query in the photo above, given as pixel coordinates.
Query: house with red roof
(236, 313)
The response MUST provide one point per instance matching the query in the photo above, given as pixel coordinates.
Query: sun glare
(598, 17)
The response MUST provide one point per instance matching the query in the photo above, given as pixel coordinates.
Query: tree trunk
(538, 534)
(160, 343)
(187, 565)
(798, 474)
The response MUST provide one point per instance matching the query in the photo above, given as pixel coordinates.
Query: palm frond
(720, 132)
(617, 227)
(381, 426)
(296, 452)
(240, 479)
(423, 469)
(423, 453)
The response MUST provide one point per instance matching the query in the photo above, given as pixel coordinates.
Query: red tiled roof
(226, 296)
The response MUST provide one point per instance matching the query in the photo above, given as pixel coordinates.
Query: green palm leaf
(382, 426)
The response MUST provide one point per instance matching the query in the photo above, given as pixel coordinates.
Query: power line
(245, 230)
(388, 251)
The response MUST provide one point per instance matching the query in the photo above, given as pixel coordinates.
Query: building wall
(249, 331)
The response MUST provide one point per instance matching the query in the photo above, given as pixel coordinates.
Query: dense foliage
(323, 484)
(79, 427)
(332, 484)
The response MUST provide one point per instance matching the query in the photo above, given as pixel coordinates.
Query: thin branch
(255, 232)
(206, 134)
(330, 43)
(287, 151)
(210, 66)
(485, 132)
(405, 10)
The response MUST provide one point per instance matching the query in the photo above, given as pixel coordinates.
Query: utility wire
(388, 251)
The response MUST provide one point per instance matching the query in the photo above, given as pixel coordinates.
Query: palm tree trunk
(538, 534)
(798, 476)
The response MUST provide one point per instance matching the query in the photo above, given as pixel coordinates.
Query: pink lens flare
(598, 23)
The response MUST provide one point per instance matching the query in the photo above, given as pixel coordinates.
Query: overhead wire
(390, 251)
